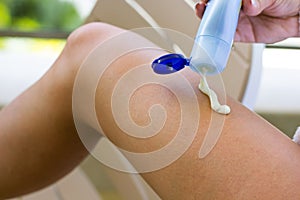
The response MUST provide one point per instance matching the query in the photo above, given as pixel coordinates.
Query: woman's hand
(265, 21)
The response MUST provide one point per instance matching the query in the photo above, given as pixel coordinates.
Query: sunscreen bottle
(215, 35)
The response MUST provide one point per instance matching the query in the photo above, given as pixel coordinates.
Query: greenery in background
(31, 15)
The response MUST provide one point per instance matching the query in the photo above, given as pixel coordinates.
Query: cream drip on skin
(214, 102)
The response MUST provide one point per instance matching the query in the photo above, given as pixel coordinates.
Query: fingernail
(254, 3)
(201, 3)
(198, 4)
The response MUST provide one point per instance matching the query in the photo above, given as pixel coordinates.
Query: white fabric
(296, 137)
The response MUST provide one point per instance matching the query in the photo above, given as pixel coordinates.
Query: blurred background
(33, 33)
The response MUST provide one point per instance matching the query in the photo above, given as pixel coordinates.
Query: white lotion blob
(214, 102)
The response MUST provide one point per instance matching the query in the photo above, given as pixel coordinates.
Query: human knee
(84, 39)
(79, 45)
(91, 32)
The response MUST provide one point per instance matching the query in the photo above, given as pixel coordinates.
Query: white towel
(296, 137)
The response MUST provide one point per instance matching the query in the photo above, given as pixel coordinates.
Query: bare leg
(252, 159)
(39, 143)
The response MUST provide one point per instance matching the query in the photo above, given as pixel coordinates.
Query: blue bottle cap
(169, 63)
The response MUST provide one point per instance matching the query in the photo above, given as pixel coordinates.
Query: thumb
(200, 7)
(255, 7)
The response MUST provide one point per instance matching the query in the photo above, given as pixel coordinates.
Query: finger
(200, 8)
(255, 7)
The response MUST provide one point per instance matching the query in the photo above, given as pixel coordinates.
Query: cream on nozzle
(215, 35)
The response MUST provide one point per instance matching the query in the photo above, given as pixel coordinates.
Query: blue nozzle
(169, 63)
